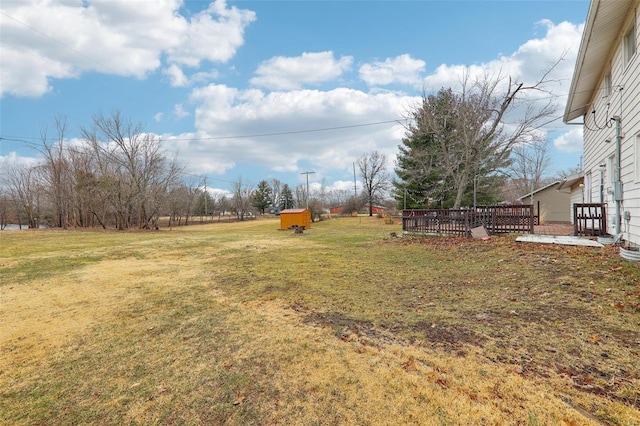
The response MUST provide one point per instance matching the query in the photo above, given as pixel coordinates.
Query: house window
(606, 85)
(611, 164)
(630, 43)
(636, 158)
(603, 179)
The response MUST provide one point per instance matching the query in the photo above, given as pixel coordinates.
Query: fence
(495, 219)
(590, 219)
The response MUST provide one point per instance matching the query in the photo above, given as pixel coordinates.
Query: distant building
(375, 209)
(554, 206)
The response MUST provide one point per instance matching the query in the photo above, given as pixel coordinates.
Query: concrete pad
(561, 239)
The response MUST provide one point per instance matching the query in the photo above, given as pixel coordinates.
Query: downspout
(617, 184)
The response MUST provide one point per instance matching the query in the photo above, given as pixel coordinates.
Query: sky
(268, 89)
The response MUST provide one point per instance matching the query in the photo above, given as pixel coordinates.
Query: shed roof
(604, 21)
(569, 181)
(292, 211)
(537, 191)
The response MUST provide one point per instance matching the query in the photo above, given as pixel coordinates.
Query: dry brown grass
(243, 324)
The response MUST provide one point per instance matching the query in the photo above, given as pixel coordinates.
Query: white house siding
(577, 197)
(624, 102)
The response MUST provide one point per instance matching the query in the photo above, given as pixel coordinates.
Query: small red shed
(375, 209)
(295, 218)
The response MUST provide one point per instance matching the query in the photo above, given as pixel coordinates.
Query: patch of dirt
(448, 243)
(451, 338)
(348, 329)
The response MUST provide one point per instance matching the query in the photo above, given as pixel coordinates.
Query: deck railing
(590, 219)
(495, 219)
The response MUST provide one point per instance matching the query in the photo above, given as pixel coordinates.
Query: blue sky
(213, 78)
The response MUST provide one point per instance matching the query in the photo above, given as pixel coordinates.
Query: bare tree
(375, 178)
(317, 197)
(300, 195)
(57, 174)
(5, 206)
(569, 172)
(338, 197)
(134, 172)
(24, 186)
(223, 203)
(242, 198)
(530, 163)
(276, 192)
(89, 203)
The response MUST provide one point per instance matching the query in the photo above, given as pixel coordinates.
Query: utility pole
(355, 185)
(205, 198)
(307, 194)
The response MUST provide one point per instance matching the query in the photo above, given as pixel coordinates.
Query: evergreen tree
(262, 196)
(286, 198)
(423, 181)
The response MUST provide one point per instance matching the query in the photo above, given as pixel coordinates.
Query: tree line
(119, 177)
(116, 176)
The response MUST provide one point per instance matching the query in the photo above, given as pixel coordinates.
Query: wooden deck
(553, 229)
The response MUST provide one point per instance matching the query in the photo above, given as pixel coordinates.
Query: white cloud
(158, 117)
(219, 193)
(292, 73)
(179, 111)
(223, 111)
(207, 38)
(176, 76)
(196, 150)
(13, 159)
(401, 69)
(44, 40)
(203, 77)
(570, 141)
(344, 185)
(527, 64)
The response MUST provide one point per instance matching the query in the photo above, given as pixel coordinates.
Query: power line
(292, 132)
(256, 135)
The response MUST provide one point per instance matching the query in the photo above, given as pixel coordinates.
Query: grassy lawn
(239, 323)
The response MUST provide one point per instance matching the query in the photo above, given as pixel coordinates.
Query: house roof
(569, 181)
(537, 191)
(604, 21)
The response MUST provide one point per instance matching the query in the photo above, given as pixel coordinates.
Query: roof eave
(569, 181)
(603, 24)
(538, 190)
